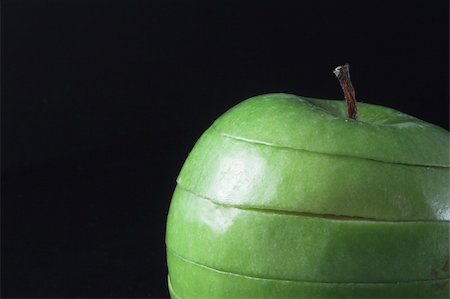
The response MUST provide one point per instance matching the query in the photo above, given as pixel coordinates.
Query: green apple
(284, 196)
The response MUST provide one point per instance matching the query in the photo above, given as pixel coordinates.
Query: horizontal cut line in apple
(264, 143)
(303, 214)
(172, 290)
(177, 255)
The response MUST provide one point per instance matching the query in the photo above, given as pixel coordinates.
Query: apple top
(321, 126)
(285, 153)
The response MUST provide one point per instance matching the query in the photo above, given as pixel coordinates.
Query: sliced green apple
(242, 173)
(189, 280)
(285, 197)
(322, 126)
(298, 247)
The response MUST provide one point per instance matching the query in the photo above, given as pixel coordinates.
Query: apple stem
(343, 75)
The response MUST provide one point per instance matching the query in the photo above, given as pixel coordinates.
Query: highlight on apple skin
(286, 197)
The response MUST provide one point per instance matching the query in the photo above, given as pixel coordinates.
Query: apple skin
(239, 173)
(200, 282)
(321, 126)
(305, 248)
(285, 197)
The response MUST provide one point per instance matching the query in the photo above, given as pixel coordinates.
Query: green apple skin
(302, 248)
(239, 173)
(219, 284)
(285, 197)
(172, 293)
(321, 126)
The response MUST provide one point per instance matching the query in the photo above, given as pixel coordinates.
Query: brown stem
(343, 75)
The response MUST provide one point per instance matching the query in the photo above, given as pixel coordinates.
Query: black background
(103, 100)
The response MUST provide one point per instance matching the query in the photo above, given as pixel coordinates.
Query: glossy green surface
(239, 173)
(191, 281)
(284, 197)
(321, 126)
(297, 247)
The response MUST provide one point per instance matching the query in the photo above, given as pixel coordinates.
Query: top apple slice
(321, 126)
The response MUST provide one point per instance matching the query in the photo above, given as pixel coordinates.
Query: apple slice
(322, 126)
(189, 280)
(291, 246)
(242, 173)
